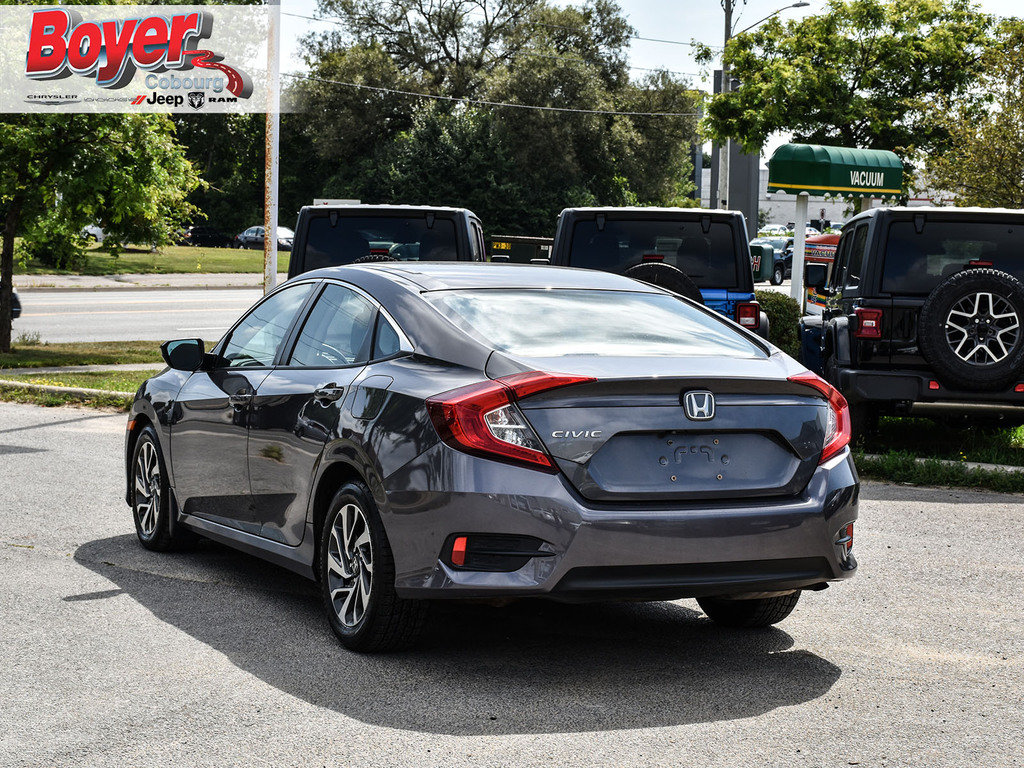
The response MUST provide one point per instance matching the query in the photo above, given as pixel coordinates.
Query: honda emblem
(699, 405)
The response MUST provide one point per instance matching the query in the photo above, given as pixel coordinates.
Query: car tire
(971, 330)
(668, 277)
(778, 275)
(759, 612)
(240, 246)
(354, 551)
(151, 501)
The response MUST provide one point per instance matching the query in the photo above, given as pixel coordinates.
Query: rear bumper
(915, 387)
(607, 551)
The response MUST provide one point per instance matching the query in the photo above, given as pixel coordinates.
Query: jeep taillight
(838, 426)
(483, 420)
(869, 323)
(748, 314)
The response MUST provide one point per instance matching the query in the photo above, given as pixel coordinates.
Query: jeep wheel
(668, 277)
(778, 275)
(971, 330)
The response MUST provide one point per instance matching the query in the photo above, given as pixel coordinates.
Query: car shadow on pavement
(530, 667)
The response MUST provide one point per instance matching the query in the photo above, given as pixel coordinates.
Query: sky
(680, 21)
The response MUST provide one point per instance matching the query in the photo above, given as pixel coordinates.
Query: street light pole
(271, 170)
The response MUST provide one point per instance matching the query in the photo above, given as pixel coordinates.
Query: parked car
(334, 235)
(924, 313)
(207, 236)
(773, 230)
(783, 248)
(253, 237)
(93, 232)
(15, 305)
(700, 254)
(395, 431)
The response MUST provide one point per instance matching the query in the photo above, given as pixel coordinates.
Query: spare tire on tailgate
(970, 330)
(668, 277)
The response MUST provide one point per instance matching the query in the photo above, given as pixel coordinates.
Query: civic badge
(699, 405)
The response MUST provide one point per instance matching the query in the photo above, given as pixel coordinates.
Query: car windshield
(561, 322)
(916, 262)
(708, 258)
(355, 237)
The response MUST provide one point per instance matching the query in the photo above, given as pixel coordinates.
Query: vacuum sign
(867, 179)
(132, 58)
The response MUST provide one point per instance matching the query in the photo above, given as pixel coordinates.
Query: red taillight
(459, 551)
(481, 419)
(653, 257)
(869, 323)
(839, 429)
(1019, 388)
(748, 315)
(980, 263)
(933, 384)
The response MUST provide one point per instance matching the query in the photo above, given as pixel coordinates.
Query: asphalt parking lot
(115, 656)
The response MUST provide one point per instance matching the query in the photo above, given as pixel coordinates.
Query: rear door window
(356, 237)
(916, 262)
(708, 258)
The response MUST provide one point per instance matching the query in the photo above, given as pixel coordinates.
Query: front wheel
(778, 275)
(357, 577)
(151, 498)
(759, 612)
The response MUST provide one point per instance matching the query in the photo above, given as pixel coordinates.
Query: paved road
(127, 315)
(115, 656)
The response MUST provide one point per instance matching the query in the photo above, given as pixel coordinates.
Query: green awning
(835, 171)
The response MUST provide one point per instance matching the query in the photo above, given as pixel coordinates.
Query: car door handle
(240, 399)
(329, 393)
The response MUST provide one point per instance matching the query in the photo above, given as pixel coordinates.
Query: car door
(303, 403)
(209, 433)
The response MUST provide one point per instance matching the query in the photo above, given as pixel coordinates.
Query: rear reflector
(838, 429)
(933, 384)
(748, 314)
(1019, 388)
(845, 538)
(869, 323)
(481, 419)
(459, 551)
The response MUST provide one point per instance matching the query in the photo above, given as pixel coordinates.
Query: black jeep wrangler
(924, 313)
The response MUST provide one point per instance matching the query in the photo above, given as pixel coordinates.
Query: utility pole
(722, 193)
(272, 169)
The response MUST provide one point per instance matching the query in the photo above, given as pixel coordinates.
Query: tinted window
(856, 260)
(257, 338)
(916, 263)
(554, 323)
(387, 343)
(337, 331)
(353, 237)
(708, 258)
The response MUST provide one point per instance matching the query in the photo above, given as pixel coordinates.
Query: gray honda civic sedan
(407, 432)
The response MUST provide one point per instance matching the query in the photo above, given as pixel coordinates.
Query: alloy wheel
(147, 488)
(982, 328)
(350, 565)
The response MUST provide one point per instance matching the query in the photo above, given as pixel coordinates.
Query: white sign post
(796, 289)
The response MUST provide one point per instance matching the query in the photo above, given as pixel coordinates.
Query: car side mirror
(184, 354)
(815, 276)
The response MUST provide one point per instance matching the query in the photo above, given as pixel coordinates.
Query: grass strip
(171, 259)
(904, 467)
(32, 353)
(50, 399)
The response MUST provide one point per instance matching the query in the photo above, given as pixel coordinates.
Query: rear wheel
(357, 577)
(759, 612)
(668, 277)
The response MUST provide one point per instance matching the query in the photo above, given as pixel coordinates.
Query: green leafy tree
(984, 162)
(126, 171)
(859, 74)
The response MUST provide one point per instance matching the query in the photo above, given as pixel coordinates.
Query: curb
(79, 391)
(952, 463)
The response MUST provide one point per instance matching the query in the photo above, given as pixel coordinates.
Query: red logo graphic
(139, 99)
(60, 43)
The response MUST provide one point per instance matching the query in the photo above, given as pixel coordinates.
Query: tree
(860, 74)
(126, 171)
(984, 164)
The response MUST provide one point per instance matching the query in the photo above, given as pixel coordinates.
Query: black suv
(924, 312)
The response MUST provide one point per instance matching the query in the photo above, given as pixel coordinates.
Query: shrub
(54, 244)
(784, 319)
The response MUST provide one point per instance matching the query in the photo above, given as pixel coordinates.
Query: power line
(486, 103)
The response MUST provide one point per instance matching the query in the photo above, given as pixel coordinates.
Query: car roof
(448, 275)
(640, 209)
(367, 208)
(937, 209)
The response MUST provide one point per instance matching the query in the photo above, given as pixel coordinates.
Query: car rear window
(917, 262)
(708, 258)
(354, 237)
(560, 322)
